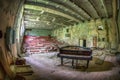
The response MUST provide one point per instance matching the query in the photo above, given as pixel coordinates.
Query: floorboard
(46, 66)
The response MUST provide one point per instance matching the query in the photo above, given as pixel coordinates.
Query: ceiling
(51, 14)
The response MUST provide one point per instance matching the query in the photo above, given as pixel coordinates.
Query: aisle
(47, 67)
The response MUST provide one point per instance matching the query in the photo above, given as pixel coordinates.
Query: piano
(75, 53)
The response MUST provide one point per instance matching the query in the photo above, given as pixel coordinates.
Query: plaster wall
(8, 11)
(105, 38)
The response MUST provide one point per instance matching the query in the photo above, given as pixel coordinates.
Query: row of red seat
(38, 44)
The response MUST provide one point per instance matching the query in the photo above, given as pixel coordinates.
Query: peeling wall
(73, 35)
(8, 11)
(19, 26)
(38, 32)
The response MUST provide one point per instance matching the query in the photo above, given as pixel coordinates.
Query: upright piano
(75, 53)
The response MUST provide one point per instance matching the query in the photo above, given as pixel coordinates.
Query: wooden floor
(47, 67)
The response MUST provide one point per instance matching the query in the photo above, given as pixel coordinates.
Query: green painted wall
(38, 32)
(88, 31)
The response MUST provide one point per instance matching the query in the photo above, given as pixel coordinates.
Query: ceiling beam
(39, 8)
(104, 7)
(78, 10)
(35, 13)
(74, 7)
(87, 7)
(31, 12)
(94, 8)
(48, 22)
(56, 7)
(95, 14)
(28, 14)
(37, 27)
(46, 25)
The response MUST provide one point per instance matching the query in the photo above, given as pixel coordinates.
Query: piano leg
(87, 63)
(76, 65)
(73, 63)
(62, 61)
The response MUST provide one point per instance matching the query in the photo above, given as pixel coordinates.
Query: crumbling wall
(96, 33)
(8, 10)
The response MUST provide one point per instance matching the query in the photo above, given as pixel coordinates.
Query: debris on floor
(47, 67)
